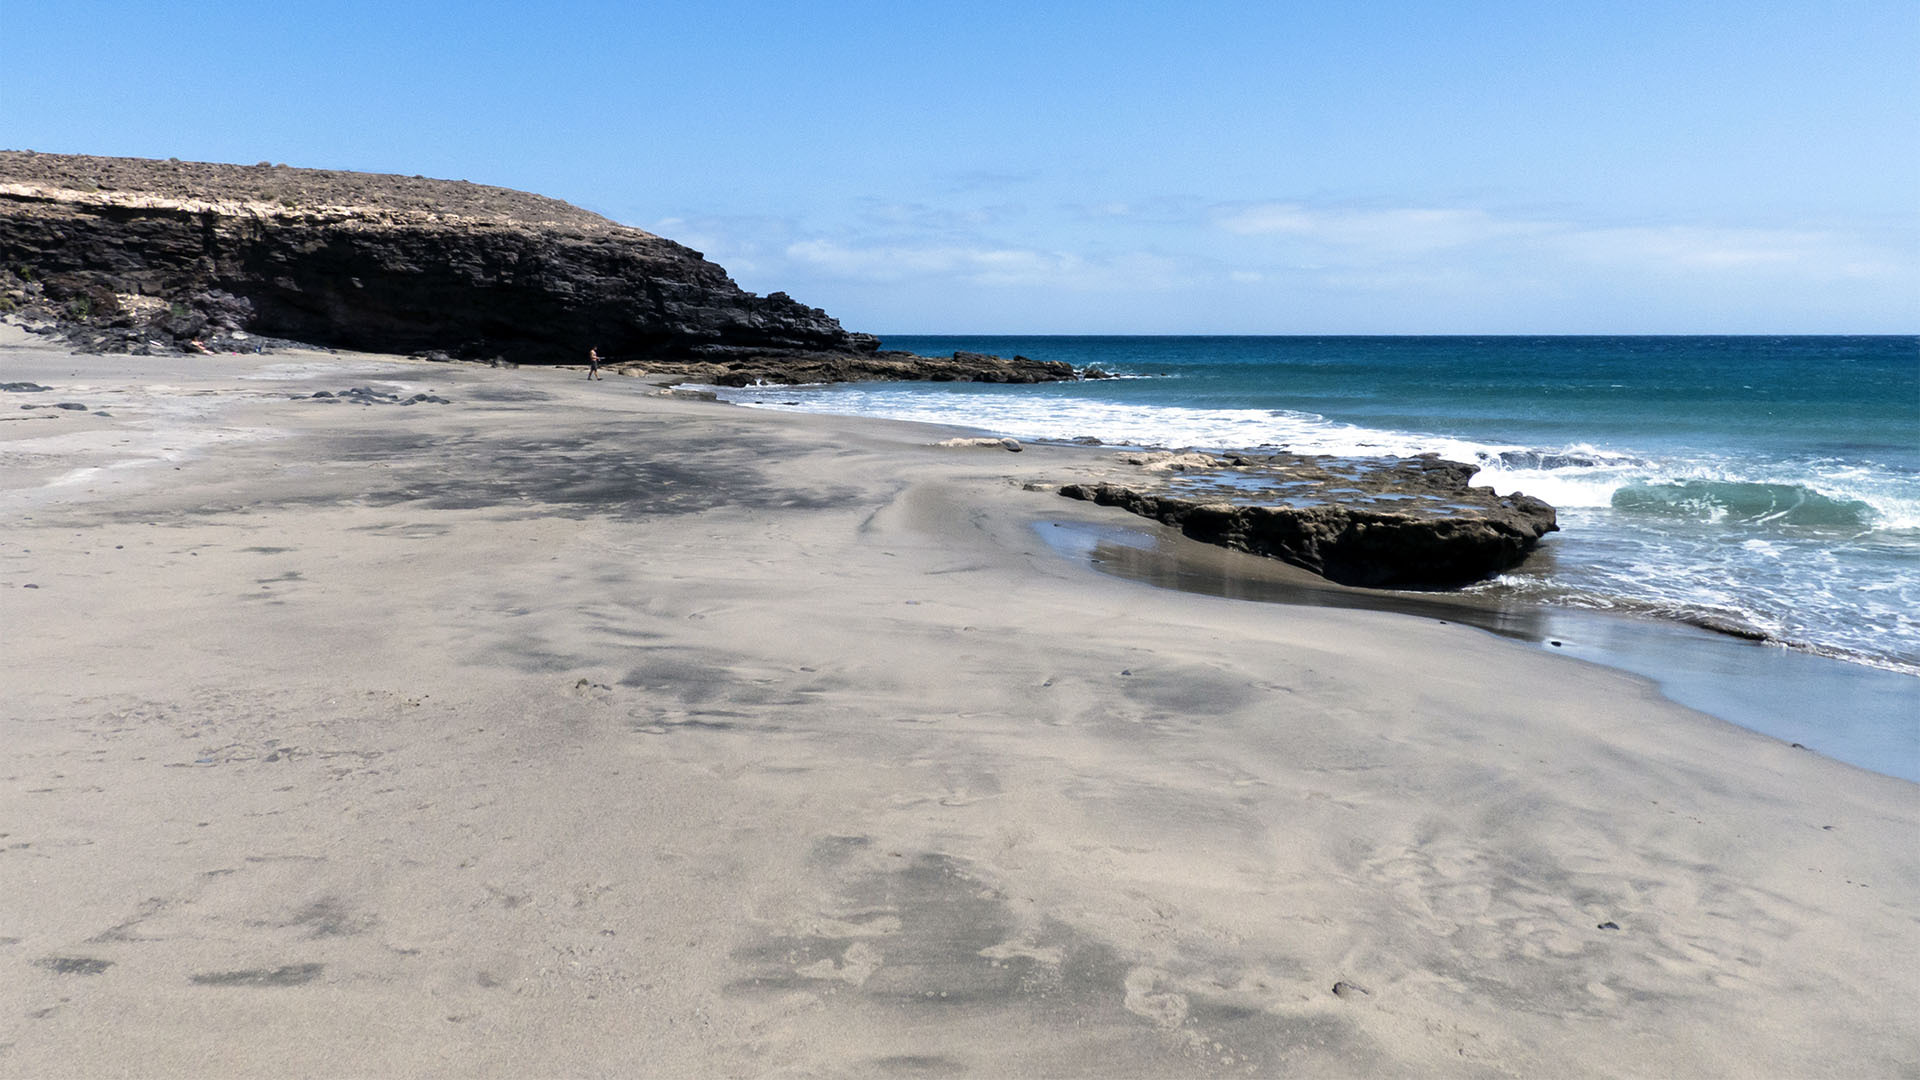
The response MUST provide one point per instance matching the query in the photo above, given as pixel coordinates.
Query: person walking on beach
(593, 363)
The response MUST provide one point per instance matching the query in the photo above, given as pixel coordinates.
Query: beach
(493, 721)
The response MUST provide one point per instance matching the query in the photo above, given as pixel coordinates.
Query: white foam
(1580, 474)
(1562, 488)
(1050, 417)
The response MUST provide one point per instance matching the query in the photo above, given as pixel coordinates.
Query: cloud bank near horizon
(1292, 266)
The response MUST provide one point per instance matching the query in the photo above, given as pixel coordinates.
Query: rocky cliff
(131, 254)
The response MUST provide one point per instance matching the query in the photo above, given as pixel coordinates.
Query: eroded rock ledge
(129, 254)
(1377, 522)
(883, 364)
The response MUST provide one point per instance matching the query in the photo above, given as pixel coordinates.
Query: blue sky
(985, 167)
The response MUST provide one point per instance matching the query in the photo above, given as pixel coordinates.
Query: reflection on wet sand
(1160, 557)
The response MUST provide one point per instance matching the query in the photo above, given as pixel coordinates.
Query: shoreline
(1421, 601)
(564, 725)
(1687, 517)
(1762, 686)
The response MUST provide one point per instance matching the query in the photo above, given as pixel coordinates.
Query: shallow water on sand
(1850, 712)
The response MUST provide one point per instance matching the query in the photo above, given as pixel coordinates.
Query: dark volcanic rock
(853, 367)
(1384, 523)
(128, 253)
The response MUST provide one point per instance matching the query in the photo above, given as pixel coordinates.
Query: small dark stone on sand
(323, 393)
(23, 387)
(29, 586)
(1608, 925)
(1799, 746)
(70, 405)
(1345, 989)
(1555, 644)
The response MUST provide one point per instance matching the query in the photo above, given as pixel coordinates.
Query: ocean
(1771, 483)
(1767, 482)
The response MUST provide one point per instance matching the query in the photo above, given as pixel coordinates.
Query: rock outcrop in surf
(1377, 522)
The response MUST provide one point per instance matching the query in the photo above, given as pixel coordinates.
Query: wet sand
(1861, 715)
(561, 729)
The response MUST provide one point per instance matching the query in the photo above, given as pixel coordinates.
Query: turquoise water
(1767, 481)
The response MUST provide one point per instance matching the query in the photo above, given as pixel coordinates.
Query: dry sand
(566, 730)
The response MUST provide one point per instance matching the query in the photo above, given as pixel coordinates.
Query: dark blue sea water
(1770, 481)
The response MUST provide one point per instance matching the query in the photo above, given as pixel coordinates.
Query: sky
(1274, 168)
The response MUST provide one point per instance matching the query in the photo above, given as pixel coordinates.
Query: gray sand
(568, 730)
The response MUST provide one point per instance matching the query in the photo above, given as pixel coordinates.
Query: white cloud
(984, 265)
(1183, 265)
(1402, 232)
(897, 262)
(1391, 242)
(921, 217)
(1799, 252)
(729, 239)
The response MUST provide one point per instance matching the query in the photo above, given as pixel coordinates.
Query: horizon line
(1405, 334)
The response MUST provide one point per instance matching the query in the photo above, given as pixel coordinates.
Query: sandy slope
(566, 730)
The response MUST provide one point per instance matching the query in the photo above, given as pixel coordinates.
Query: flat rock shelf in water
(1376, 522)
